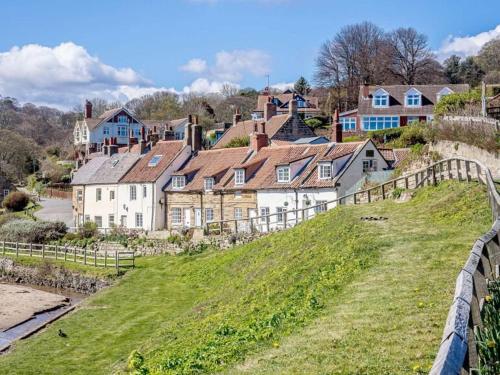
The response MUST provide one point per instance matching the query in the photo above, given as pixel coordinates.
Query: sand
(19, 303)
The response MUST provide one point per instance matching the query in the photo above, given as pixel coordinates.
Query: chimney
(155, 137)
(188, 137)
(105, 147)
(113, 147)
(292, 106)
(366, 90)
(197, 137)
(263, 127)
(258, 140)
(255, 128)
(269, 109)
(88, 109)
(236, 116)
(142, 142)
(336, 128)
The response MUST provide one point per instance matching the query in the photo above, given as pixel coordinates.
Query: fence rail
(95, 258)
(455, 168)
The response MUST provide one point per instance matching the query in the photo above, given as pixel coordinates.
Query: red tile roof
(142, 172)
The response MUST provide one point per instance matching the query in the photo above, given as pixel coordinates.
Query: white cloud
(282, 86)
(205, 86)
(195, 66)
(467, 45)
(65, 75)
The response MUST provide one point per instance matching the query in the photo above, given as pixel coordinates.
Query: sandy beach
(19, 303)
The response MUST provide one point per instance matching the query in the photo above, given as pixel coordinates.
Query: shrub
(386, 135)
(7, 217)
(464, 103)
(32, 231)
(88, 230)
(314, 123)
(413, 134)
(239, 142)
(16, 201)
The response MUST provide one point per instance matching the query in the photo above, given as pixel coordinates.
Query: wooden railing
(454, 168)
(96, 258)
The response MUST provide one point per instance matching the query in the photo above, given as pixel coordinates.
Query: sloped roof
(245, 128)
(284, 99)
(105, 170)
(211, 163)
(397, 99)
(174, 124)
(142, 172)
(94, 122)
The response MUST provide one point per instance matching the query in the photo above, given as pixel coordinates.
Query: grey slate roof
(312, 140)
(105, 170)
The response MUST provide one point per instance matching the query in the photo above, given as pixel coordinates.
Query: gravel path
(55, 210)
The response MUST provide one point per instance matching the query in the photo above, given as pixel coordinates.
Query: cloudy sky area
(58, 55)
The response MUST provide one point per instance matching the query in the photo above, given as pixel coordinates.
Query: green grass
(333, 295)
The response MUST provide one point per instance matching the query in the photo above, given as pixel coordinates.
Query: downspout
(153, 211)
(201, 208)
(83, 204)
(296, 206)
(221, 206)
(166, 209)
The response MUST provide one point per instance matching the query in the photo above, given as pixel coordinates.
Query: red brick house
(385, 107)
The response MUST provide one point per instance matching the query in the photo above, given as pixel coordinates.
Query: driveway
(56, 210)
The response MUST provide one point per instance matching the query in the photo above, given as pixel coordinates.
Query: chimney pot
(269, 110)
(366, 90)
(188, 137)
(88, 109)
(236, 116)
(292, 106)
(336, 128)
(197, 137)
(258, 140)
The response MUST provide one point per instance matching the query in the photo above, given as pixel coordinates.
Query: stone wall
(448, 149)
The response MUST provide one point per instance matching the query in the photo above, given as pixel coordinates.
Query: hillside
(334, 295)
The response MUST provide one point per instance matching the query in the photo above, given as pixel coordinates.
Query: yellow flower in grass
(488, 298)
(417, 368)
(420, 305)
(276, 344)
(490, 343)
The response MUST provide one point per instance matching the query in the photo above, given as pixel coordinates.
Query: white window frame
(209, 183)
(105, 130)
(320, 206)
(98, 194)
(413, 100)
(264, 211)
(325, 171)
(283, 174)
(153, 162)
(139, 220)
(239, 176)
(280, 217)
(444, 92)
(178, 182)
(122, 131)
(371, 123)
(98, 221)
(111, 220)
(176, 215)
(79, 195)
(380, 99)
(348, 124)
(144, 191)
(209, 215)
(122, 119)
(77, 134)
(133, 192)
(123, 220)
(370, 165)
(111, 195)
(238, 213)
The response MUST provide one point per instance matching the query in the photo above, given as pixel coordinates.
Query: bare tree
(411, 61)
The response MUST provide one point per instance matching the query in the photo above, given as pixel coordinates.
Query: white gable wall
(104, 207)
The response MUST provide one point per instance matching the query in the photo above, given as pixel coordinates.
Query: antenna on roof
(268, 87)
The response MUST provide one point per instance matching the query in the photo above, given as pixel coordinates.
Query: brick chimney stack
(336, 128)
(105, 146)
(197, 134)
(366, 90)
(155, 136)
(263, 127)
(269, 109)
(113, 147)
(88, 109)
(292, 106)
(236, 116)
(258, 140)
(188, 136)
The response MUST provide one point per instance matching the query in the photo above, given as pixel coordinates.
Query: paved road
(56, 210)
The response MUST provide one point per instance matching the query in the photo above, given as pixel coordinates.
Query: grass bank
(333, 295)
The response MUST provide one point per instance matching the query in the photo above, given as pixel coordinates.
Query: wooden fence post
(355, 202)
(251, 225)
(95, 257)
(74, 254)
(31, 249)
(383, 191)
(450, 175)
(236, 226)
(65, 251)
(467, 171)
(433, 175)
(43, 251)
(285, 219)
(3, 247)
(220, 227)
(105, 258)
(459, 173)
(116, 260)
(406, 182)
(17, 249)
(56, 252)
(478, 171)
(267, 223)
(85, 255)
(369, 191)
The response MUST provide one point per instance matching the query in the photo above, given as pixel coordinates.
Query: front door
(187, 217)
(197, 217)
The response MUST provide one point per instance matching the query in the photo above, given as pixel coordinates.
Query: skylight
(154, 161)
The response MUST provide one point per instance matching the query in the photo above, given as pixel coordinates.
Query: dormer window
(178, 182)
(209, 183)
(443, 92)
(283, 174)
(380, 98)
(239, 176)
(84, 136)
(122, 119)
(413, 98)
(325, 171)
(77, 134)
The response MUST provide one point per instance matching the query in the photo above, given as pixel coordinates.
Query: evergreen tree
(452, 69)
(302, 86)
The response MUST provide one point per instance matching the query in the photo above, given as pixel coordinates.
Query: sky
(59, 53)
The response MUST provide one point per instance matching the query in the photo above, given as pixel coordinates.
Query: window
(444, 91)
(178, 182)
(138, 220)
(176, 215)
(123, 220)
(369, 165)
(380, 98)
(239, 176)
(280, 216)
(325, 170)
(237, 194)
(238, 213)
(105, 130)
(111, 195)
(209, 183)
(98, 194)
(87, 218)
(348, 123)
(122, 131)
(283, 174)
(98, 147)
(209, 215)
(114, 163)
(412, 119)
(264, 211)
(133, 192)
(370, 153)
(154, 161)
(79, 195)
(122, 119)
(320, 206)
(77, 134)
(144, 191)
(111, 221)
(179, 136)
(84, 136)
(413, 100)
(98, 221)
(379, 122)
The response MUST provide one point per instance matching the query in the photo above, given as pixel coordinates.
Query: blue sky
(121, 49)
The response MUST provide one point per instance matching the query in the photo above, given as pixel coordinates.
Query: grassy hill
(333, 295)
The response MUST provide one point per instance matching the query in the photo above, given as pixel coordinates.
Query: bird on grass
(61, 333)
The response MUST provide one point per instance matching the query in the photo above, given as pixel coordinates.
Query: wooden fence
(51, 192)
(96, 258)
(454, 168)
